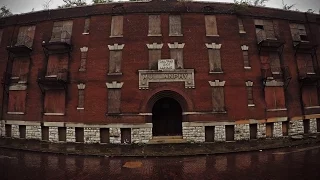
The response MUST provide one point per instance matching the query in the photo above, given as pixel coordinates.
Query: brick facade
(136, 104)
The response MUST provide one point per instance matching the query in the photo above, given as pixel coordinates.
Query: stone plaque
(166, 64)
(179, 75)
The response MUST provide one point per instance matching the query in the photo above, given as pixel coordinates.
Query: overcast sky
(23, 6)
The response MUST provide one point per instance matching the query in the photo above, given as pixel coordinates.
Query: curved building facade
(159, 71)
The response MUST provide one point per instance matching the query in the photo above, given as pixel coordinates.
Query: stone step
(167, 140)
(167, 137)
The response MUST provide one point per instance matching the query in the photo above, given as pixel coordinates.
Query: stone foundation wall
(313, 125)
(241, 132)
(53, 134)
(296, 127)
(33, 132)
(141, 135)
(92, 135)
(220, 133)
(2, 129)
(194, 134)
(71, 134)
(115, 135)
(15, 133)
(277, 129)
(261, 131)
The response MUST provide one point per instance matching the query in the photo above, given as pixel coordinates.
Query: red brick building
(159, 71)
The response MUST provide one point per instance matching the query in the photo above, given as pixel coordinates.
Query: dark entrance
(167, 118)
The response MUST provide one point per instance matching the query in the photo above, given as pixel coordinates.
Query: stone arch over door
(176, 94)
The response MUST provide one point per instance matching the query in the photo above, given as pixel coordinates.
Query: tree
(4, 11)
(251, 2)
(286, 6)
(72, 3)
(46, 5)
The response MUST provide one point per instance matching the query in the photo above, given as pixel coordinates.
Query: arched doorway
(167, 117)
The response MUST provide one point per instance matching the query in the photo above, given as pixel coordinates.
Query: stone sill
(116, 36)
(312, 107)
(78, 108)
(273, 110)
(219, 112)
(175, 35)
(54, 114)
(82, 70)
(156, 35)
(14, 77)
(216, 72)
(51, 76)
(242, 32)
(215, 35)
(16, 113)
(114, 74)
(247, 68)
(85, 33)
(275, 73)
(251, 105)
(311, 73)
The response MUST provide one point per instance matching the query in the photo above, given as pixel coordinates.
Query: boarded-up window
(115, 61)
(154, 25)
(241, 27)
(209, 133)
(17, 101)
(265, 29)
(305, 64)
(218, 99)
(285, 128)
(62, 31)
(126, 135)
(269, 130)
(175, 25)
(253, 131)
(20, 69)
(22, 131)
(177, 55)
(250, 95)
(298, 32)
(246, 58)
(104, 135)
(114, 99)
(310, 96)
(79, 134)
(54, 101)
(154, 56)
(215, 60)
(318, 125)
(81, 99)
(56, 63)
(62, 132)
(86, 26)
(274, 63)
(229, 132)
(306, 126)
(274, 97)
(26, 36)
(1, 33)
(83, 58)
(211, 25)
(117, 26)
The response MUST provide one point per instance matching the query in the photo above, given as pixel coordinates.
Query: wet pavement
(301, 162)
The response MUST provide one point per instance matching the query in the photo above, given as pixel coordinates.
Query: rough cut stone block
(242, 132)
(261, 131)
(115, 135)
(313, 125)
(53, 134)
(15, 131)
(277, 129)
(91, 135)
(141, 135)
(194, 134)
(33, 132)
(71, 134)
(220, 133)
(296, 127)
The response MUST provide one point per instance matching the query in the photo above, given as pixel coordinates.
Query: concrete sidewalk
(144, 150)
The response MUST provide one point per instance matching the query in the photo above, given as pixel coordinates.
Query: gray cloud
(23, 6)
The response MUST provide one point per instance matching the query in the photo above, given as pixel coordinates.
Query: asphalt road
(292, 163)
